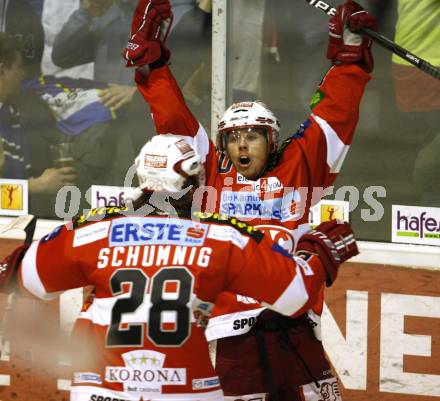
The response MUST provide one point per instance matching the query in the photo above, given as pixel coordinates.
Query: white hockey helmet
(165, 163)
(248, 115)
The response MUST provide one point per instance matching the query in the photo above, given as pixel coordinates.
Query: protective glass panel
(277, 53)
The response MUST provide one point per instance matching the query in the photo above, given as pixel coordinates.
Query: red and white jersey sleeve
(49, 267)
(275, 269)
(327, 135)
(260, 269)
(171, 115)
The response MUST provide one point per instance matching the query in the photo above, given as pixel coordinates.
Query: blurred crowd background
(70, 113)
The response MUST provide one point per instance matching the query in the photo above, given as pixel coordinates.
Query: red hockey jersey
(155, 280)
(277, 203)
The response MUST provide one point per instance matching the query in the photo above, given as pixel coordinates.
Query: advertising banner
(416, 225)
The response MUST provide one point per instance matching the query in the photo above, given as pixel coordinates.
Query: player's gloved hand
(149, 30)
(8, 268)
(333, 242)
(345, 45)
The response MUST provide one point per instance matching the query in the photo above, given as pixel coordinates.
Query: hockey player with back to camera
(156, 278)
(258, 179)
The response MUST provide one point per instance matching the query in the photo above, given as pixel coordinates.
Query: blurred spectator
(31, 36)
(19, 18)
(190, 43)
(43, 111)
(55, 13)
(247, 26)
(418, 94)
(298, 58)
(98, 30)
(251, 33)
(15, 150)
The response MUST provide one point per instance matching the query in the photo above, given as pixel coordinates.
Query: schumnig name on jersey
(154, 255)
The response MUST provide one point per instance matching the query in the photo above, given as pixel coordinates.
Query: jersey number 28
(178, 305)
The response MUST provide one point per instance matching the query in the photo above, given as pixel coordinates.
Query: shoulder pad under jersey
(220, 218)
(99, 214)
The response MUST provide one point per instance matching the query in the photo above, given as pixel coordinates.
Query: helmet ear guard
(187, 167)
(167, 163)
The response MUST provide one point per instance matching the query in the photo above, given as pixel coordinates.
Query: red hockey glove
(345, 46)
(149, 30)
(333, 242)
(9, 267)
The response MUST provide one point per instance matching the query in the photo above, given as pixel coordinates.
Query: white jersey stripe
(201, 143)
(336, 149)
(293, 298)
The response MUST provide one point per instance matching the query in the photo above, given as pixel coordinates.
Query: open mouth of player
(244, 161)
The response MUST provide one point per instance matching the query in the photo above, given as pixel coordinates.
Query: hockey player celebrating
(271, 185)
(156, 276)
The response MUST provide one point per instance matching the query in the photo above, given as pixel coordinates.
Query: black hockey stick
(26, 223)
(384, 42)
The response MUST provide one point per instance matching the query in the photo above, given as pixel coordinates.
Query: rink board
(381, 329)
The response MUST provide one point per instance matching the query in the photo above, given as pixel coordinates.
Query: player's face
(248, 150)
(10, 78)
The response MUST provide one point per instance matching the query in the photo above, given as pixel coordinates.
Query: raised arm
(146, 51)
(170, 113)
(258, 268)
(292, 285)
(327, 134)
